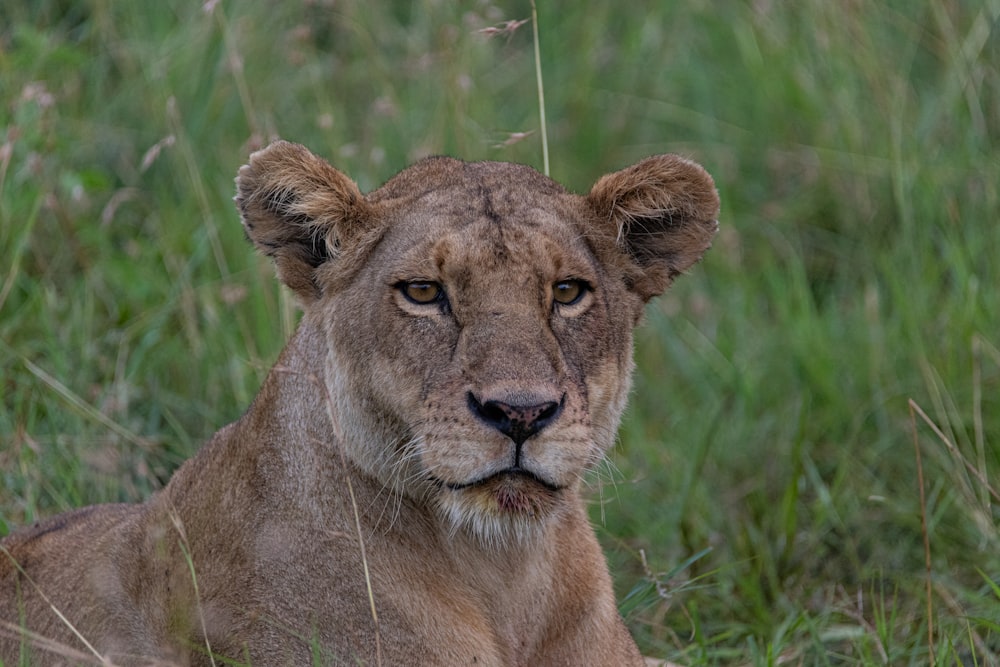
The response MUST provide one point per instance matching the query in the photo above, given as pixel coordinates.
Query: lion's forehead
(455, 229)
(455, 194)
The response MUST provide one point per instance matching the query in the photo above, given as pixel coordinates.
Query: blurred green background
(763, 507)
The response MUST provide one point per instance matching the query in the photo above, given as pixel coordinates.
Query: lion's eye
(568, 292)
(422, 292)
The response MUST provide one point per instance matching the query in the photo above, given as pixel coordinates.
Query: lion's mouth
(513, 491)
(512, 475)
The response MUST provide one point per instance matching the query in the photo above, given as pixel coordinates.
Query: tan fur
(437, 447)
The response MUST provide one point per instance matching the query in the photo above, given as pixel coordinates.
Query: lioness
(405, 488)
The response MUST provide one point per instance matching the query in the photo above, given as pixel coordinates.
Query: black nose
(516, 421)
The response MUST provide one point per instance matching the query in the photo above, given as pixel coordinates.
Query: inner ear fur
(664, 211)
(298, 210)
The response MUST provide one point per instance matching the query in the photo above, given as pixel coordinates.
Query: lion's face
(495, 338)
(478, 317)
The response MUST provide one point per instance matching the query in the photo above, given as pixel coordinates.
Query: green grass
(767, 464)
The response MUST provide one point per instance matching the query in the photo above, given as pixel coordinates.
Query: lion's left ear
(664, 210)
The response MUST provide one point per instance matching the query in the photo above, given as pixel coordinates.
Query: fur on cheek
(607, 394)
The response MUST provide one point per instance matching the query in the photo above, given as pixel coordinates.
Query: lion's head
(478, 316)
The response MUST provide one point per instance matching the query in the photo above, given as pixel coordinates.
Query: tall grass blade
(923, 529)
(541, 90)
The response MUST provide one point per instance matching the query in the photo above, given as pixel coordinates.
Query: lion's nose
(517, 421)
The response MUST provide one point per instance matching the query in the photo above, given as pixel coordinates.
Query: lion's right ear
(297, 210)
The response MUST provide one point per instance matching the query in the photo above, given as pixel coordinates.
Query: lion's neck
(294, 431)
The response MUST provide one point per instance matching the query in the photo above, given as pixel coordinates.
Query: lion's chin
(515, 492)
(509, 507)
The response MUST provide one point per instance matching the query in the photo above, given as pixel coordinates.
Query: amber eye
(422, 292)
(568, 292)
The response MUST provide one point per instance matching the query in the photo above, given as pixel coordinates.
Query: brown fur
(437, 447)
